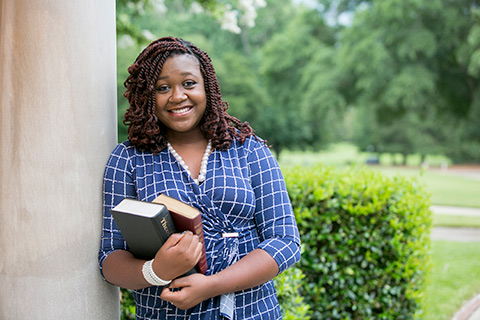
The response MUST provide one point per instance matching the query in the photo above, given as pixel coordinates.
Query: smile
(180, 111)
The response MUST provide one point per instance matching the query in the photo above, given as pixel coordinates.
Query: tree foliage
(413, 73)
(409, 69)
(301, 79)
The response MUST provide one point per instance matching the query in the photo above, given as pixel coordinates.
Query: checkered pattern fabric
(244, 192)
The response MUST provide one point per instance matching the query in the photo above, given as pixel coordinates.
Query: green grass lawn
(454, 278)
(345, 153)
(445, 187)
(441, 220)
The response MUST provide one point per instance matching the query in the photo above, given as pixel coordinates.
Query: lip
(180, 111)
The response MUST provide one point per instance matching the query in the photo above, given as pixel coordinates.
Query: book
(144, 225)
(186, 217)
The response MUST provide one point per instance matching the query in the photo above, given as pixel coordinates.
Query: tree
(232, 15)
(242, 89)
(299, 115)
(238, 59)
(408, 65)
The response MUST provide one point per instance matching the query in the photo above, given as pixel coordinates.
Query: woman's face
(180, 94)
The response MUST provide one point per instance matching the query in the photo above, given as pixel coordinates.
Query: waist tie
(227, 300)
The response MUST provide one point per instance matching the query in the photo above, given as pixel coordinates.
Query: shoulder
(251, 144)
(127, 149)
(257, 148)
(124, 149)
(126, 153)
(253, 150)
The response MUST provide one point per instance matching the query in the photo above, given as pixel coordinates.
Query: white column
(57, 128)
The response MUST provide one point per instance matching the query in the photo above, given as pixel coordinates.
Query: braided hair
(145, 131)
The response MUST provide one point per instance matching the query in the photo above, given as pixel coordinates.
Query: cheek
(202, 97)
(160, 102)
(158, 107)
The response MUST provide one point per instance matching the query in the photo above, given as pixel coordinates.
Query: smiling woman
(181, 100)
(184, 144)
(145, 130)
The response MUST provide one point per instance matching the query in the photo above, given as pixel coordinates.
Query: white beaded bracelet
(150, 275)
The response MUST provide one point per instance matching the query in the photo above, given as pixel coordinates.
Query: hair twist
(145, 130)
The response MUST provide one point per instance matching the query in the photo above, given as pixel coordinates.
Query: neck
(187, 138)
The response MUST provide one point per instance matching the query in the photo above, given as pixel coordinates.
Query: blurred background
(393, 84)
(396, 80)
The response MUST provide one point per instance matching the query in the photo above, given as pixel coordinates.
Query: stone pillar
(57, 128)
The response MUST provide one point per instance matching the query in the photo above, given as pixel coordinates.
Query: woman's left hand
(188, 291)
(252, 270)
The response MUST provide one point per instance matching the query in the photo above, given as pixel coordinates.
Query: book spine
(202, 263)
(194, 225)
(164, 224)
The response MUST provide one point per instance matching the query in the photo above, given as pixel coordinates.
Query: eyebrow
(183, 74)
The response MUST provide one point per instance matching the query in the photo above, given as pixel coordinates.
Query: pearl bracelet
(150, 275)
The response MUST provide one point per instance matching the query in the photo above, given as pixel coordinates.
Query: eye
(162, 88)
(189, 83)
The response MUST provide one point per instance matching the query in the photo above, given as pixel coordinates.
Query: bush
(288, 285)
(127, 305)
(365, 241)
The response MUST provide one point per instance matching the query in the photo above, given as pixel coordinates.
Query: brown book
(185, 218)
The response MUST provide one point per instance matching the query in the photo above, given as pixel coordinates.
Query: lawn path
(454, 233)
(461, 211)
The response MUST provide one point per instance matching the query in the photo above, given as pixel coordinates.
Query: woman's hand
(186, 292)
(179, 254)
(252, 270)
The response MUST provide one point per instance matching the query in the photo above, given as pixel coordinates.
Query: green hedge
(288, 285)
(365, 240)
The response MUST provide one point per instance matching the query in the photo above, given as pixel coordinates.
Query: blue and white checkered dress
(244, 192)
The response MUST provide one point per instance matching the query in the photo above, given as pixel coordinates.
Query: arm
(254, 269)
(274, 215)
(118, 266)
(118, 183)
(178, 255)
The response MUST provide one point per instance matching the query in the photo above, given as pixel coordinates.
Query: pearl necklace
(203, 166)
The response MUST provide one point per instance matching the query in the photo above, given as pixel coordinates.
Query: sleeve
(274, 215)
(118, 183)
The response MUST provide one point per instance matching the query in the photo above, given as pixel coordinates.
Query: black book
(144, 225)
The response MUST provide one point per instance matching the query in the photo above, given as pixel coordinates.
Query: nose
(178, 96)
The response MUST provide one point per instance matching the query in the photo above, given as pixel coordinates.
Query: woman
(184, 144)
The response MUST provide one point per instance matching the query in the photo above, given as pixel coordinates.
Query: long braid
(145, 130)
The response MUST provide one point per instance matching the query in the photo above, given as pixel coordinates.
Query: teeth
(180, 110)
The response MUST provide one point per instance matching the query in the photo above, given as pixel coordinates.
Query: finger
(191, 243)
(177, 298)
(180, 283)
(185, 240)
(174, 239)
(168, 295)
(198, 251)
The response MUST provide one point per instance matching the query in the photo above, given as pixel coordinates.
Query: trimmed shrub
(365, 242)
(288, 285)
(127, 305)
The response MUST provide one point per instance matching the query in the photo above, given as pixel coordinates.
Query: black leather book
(144, 225)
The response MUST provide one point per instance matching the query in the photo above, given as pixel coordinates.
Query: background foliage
(365, 241)
(389, 75)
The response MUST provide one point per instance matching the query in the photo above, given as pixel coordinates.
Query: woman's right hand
(179, 254)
